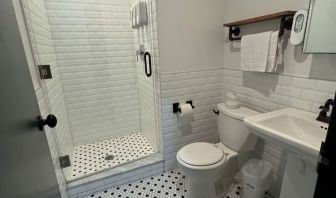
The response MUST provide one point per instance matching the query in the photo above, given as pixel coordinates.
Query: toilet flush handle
(216, 111)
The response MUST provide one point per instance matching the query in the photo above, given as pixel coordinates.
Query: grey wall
(295, 63)
(190, 34)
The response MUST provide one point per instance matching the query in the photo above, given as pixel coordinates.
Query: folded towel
(254, 52)
(273, 53)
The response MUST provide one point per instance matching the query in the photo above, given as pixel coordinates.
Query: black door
(325, 187)
(26, 168)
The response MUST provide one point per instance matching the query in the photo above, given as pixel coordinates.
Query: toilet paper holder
(176, 108)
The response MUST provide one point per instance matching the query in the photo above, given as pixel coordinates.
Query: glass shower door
(100, 92)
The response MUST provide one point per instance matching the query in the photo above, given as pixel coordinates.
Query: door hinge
(45, 72)
(65, 161)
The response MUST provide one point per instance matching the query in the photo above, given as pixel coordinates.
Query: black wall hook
(176, 108)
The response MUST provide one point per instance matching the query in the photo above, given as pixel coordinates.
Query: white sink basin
(292, 128)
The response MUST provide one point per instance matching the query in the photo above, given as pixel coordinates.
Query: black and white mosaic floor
(98, 156)
(167, 185)
(237, 191)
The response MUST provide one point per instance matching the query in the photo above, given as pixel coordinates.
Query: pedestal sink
(296, 130)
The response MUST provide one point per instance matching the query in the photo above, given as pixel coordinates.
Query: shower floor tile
(98, 156)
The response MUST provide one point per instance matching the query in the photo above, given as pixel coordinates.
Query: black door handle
(51, 121)
(148, 64)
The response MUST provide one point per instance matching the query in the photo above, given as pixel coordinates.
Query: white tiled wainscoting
(267, 92)
(204, 89)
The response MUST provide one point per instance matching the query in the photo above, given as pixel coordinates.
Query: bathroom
(129, 90)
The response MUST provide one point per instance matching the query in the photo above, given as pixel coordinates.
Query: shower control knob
(51, 121)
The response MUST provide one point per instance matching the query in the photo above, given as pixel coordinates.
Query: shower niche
(100, 92)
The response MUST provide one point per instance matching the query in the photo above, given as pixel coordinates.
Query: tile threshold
(149, 160)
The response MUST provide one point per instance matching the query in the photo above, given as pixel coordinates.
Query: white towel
(273, 52)
(254, 52)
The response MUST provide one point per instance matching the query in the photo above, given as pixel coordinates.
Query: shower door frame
(156, 91)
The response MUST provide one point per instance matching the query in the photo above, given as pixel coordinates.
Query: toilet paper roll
(186, 110)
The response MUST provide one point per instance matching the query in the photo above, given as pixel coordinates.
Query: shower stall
(100, 88)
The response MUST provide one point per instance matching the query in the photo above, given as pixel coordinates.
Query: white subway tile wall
(268, 92)
(95, 50)
(59, 139)
(204, 89)
(43, 49)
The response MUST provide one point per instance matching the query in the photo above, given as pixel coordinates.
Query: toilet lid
(200, 154)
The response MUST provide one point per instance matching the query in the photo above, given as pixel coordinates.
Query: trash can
(256, 178)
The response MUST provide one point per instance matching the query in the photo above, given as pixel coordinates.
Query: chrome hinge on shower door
(45, 72)
(65, 161)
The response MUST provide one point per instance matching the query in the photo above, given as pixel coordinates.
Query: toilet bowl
(211, 168)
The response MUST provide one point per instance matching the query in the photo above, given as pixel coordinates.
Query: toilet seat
(201, 156)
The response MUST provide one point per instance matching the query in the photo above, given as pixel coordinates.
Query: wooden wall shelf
(285, 16)
(261, 18)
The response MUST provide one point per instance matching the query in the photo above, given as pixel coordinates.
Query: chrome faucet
(323, 115)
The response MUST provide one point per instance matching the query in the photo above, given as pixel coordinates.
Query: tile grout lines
(96, 157)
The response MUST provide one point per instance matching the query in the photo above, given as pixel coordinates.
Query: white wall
(190, 34)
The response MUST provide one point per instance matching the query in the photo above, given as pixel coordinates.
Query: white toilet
(211, 168)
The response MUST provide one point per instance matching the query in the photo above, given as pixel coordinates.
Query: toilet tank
(232, 131)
